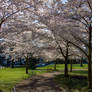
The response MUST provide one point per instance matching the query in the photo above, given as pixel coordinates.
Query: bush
(33, 62)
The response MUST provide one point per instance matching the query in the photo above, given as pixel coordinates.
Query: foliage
(33, 62)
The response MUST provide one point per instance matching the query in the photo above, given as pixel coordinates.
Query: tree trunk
(12, 63)
(66, 69)
(27, 65)
(89, 73)
(89, 60)
(81, 62)
(55, 65)
(71, 66)
(66, 61)
(0, 26)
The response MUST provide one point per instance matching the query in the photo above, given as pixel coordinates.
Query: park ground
(77, 82)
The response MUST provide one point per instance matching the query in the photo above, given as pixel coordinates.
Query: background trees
(82, 14)
(36, 25)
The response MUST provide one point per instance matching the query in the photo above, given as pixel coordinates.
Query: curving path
(41, 83)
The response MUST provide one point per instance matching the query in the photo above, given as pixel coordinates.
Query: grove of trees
(37, 26)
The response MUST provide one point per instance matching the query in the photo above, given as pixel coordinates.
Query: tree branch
(89, 5)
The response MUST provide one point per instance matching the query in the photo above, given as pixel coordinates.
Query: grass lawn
(76, 82)
(73, 83)
(61, 66)
(9, 77)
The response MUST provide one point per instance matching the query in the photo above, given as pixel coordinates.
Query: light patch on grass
(61, 66)
(9, 77)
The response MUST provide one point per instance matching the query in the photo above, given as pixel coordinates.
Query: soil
(39, 83)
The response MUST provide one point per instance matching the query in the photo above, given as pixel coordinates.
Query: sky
(64, 1)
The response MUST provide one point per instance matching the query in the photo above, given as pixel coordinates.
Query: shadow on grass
(45, 84)
(74, 83)
(80, 72)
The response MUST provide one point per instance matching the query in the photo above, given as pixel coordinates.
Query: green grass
(81, 72)
(71, 84)
(76, 82)
(61, 66)
(9, 77)
(77, 66)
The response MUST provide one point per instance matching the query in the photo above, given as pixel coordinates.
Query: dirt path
(41, 83)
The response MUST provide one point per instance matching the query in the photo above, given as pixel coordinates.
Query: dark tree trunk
(12, 63)
(81, 62)
(0, 26)
(89, 59)
(66, 61)
(71, 66)
(27, 65)
(55, 65)
(66, 67)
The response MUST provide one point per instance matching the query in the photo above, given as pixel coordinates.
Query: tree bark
(81, 62)
(12, 63)
(66, 68)
(71, 66)
(66, 61)
(27, 65)
(89, 59)
(55, 65)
